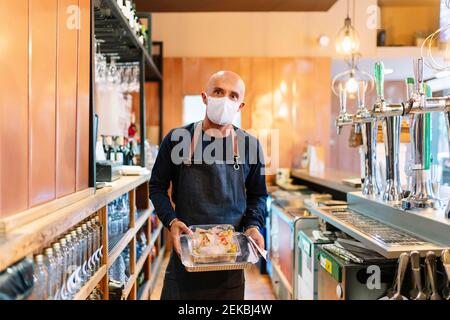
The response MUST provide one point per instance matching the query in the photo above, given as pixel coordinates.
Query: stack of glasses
(69, 263)
(118, 216)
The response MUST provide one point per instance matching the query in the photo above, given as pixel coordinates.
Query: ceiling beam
(233, 5)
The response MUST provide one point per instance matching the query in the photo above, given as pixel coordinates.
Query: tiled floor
(258, 287)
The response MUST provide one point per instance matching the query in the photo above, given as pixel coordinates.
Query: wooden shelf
(143, 216)
(156, 234)
(128, 46)
(86, 290)
(29, 238)
(129, 286)
(120, 246)
(142, 259)
(145, 291)
(157, 266)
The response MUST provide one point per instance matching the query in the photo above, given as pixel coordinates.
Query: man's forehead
(226, 80)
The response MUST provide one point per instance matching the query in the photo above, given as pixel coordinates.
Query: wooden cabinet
(44, 101)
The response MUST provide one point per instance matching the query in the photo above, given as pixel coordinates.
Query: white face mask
(221, 111)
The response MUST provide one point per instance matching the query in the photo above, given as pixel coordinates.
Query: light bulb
(351, 86)
(347, 45)
(347, 41)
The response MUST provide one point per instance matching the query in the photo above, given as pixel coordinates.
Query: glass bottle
(91, 246)
(74, 252)
(60, 269)
(97, 242)
(40, 278)
(75, 249)
(50, 264)
(82, 240)
(67, 258)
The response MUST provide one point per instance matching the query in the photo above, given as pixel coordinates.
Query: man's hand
(256, 236)
(176, 230)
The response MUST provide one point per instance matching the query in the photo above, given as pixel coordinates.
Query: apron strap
(197, 134)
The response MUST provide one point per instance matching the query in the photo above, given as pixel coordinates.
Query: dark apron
(207, 194)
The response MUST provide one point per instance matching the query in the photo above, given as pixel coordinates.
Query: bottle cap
(68, 237)
(79, 230)
(97, 219)
(88, 224)
(84, 226)
(410, 80)
(73, 233)
(63, 242)
(56, 246)
(48, 252)
(39, 258)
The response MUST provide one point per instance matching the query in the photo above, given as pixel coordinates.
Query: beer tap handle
(362, 94)
(410, 88)
(379, 79)
(343, 99)
(418, 74)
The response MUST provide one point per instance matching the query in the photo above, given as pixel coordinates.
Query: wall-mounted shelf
(86, 290)
(33, 237)
(119, 38)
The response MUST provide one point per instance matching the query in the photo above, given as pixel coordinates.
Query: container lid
(56, 246)
(39, 258)
(63, 242)
(48, 251)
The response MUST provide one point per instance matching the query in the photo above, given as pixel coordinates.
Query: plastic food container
(199, 258)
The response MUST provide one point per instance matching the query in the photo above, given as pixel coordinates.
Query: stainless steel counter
(331, 179)
(421, 230)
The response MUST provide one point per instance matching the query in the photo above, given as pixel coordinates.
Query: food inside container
(213, 244)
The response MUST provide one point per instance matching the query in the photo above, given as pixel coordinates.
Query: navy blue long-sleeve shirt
(166, 172)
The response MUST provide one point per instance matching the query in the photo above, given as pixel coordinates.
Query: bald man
(217, 176)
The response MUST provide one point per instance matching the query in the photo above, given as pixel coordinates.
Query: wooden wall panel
(173, 94)
(67, 69)
(14, 132)
(291, 95)
(84, 40)
(43, 23)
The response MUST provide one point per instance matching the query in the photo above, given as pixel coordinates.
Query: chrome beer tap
(344, 118)
(391, 114)
(369, 137)
(421, 195)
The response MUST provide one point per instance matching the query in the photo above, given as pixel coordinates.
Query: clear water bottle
(89, 252)
(97, 242)
(76, 255)
(82, 253)
(60, 269)
(40, 278)
(52, 282)
(66, 258)
(117, 270)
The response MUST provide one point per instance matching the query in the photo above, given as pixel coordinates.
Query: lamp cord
(348, 8)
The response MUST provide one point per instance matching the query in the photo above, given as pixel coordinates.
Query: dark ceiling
(232, 5)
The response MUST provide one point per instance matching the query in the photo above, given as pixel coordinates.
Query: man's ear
(204, 98)
(241, 106)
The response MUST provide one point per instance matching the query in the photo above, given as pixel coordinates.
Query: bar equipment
(308, 265)
(368, 125)
(391, 134)
(342, 280)
(286, 224)
(369, 133)
(417, 292)
(421, 194)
